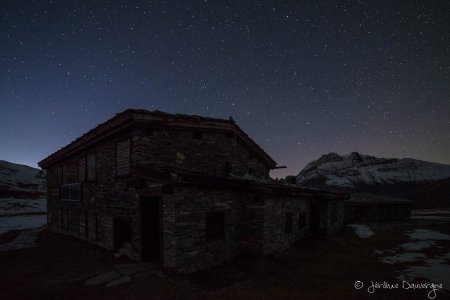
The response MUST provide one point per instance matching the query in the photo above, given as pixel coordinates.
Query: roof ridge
(108, 125)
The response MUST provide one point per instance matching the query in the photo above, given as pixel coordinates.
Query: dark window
(228, 135)
(250, 171)
(82, 169)
(288, 223)
(63, 221)
(122, 232)
(65, 174)
(91, 167)
(301, 220)
(333, 213)
(92, 226)
(227, 167)
(59, 175)
(396, 210)
(71, 192)
(215, 225)
(123, 157)
(86, 225)
(198, 135)
(73, 223)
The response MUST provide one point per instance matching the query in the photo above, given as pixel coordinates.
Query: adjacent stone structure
(186, 192)
(376, 208)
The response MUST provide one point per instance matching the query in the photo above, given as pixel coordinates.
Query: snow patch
(418, 245)
(363, 231)
(403, 257)
(21, 222)
(9, 206)
(434, 269)
(426, 234)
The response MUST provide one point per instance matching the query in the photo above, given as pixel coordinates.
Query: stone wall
(275, 210)
(108, 197)
(104, 199)
(184, 227)
(206, 152)
(253, 224)
(335, 216)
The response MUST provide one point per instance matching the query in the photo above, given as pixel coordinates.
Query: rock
(102, 278)
(148, 273)
(119, 281)
(131, 269)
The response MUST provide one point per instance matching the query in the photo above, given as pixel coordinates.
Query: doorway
(122, 233)
(314, 219)
(151, 228)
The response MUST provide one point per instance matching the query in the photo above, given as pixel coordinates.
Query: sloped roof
(371, 199)
(181, 177)
(129, 117)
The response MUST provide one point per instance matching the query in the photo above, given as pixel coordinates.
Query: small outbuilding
(376, 208)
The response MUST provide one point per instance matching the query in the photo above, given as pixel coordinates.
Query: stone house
(185, 192)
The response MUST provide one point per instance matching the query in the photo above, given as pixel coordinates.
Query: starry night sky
(301, 78)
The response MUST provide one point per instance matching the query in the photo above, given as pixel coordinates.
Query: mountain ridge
(400, 177)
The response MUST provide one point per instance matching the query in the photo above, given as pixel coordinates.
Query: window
(92, 224)
(71, 192)
(198, 135)
(86, 225)
(250, 171)
(122, 232)
(288, 223)
(301, 220)
(82, 169)
(65, 174)
(123, 158)
(59, 176)
(333, 213)
(215, 225)
(396, 210)
(227, 167)
(91, 167)
(60, 218)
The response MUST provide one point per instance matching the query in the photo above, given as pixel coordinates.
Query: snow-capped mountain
(355, 171)
(20, 181)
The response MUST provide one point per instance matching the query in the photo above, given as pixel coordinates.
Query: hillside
(21, 181)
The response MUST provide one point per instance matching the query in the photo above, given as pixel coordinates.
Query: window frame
(288, 223)
(198, 135)
(94, 154)
(129, 158)
(215, 225)
(333, 213)
(302, 220)
(80, 193)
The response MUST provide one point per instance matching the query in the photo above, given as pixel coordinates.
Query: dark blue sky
(302, 79)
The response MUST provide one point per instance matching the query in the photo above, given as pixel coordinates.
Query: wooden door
(151, 228)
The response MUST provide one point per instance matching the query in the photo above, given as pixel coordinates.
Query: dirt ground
(315, 269)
